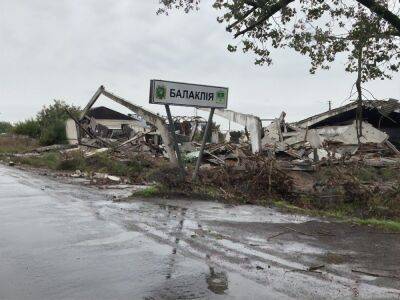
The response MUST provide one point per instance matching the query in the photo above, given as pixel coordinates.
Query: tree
(28, 127)
(49, 124)
(52, 120)
(320, 29)
(367, 30)
(5, 127)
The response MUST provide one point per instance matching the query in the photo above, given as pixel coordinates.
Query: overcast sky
(66, 49)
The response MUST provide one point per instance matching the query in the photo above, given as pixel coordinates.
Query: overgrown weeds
(136, 168)
(355, 190)
(16, 144)
(258, 181)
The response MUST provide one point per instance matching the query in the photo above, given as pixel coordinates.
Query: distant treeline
(48, 126)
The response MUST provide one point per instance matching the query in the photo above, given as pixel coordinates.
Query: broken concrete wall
(271, 135)
(71, 132)
(252, 124)
(346, 135)
(382, 114)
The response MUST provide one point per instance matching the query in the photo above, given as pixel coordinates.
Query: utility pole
(330, 105)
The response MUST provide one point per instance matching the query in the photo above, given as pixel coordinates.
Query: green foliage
(49, 124)
(5, 127)
(343, 213)
(319, 29)
(52, 122)
(149, 192)
(53, 133)
(49, 160)
(30, 127)
(135, 169)
(384, 224)
(56, 111)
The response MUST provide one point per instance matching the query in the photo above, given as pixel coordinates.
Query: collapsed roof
(381, 114)
(105, 113)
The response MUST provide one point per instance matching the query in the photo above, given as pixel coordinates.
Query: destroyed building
(334, 132)
(297, 145)
(107, 123)
(382, 115)
(115, 121)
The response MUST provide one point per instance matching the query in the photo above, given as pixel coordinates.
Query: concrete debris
(333, 135)
(114, 178)
(77, 174)
(54, 148)
(330, 136)
(251, 123)
(95, 152)
(100, 175)
(101, 127)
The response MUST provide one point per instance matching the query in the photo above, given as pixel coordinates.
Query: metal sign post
(186, 94)
(172, 129)
(203, 144)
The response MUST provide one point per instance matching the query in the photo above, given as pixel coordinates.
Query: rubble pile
(333, 135)
(257, 177)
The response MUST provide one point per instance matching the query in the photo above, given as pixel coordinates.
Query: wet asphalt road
(62, 241)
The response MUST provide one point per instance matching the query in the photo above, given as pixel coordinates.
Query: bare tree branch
(382, 12)
(248, 13)
(270, 10)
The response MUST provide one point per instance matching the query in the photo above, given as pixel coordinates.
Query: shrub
(52, 122)
(168, 176)
(53, 133)
(5, 127)
(30, 127)
(49, 124)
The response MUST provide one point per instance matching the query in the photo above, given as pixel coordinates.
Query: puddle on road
(211, 283)
(167, 252)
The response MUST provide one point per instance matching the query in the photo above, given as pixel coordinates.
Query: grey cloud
(65, 49)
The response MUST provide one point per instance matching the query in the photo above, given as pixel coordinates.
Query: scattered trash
(114, 178)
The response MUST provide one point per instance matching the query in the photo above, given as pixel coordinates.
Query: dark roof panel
(105, 113)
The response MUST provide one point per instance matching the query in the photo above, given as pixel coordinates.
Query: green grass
(342, 214)
(49, 160)
(384, 224)
(103, 163)
(149, 192)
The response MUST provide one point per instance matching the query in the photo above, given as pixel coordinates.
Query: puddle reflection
(217, 282)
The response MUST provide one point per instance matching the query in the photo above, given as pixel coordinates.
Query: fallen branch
(303, 233)
(310, 234)
(137, 136)
(376, 274)
(314, 268)
(276, 235)
(310, 269)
